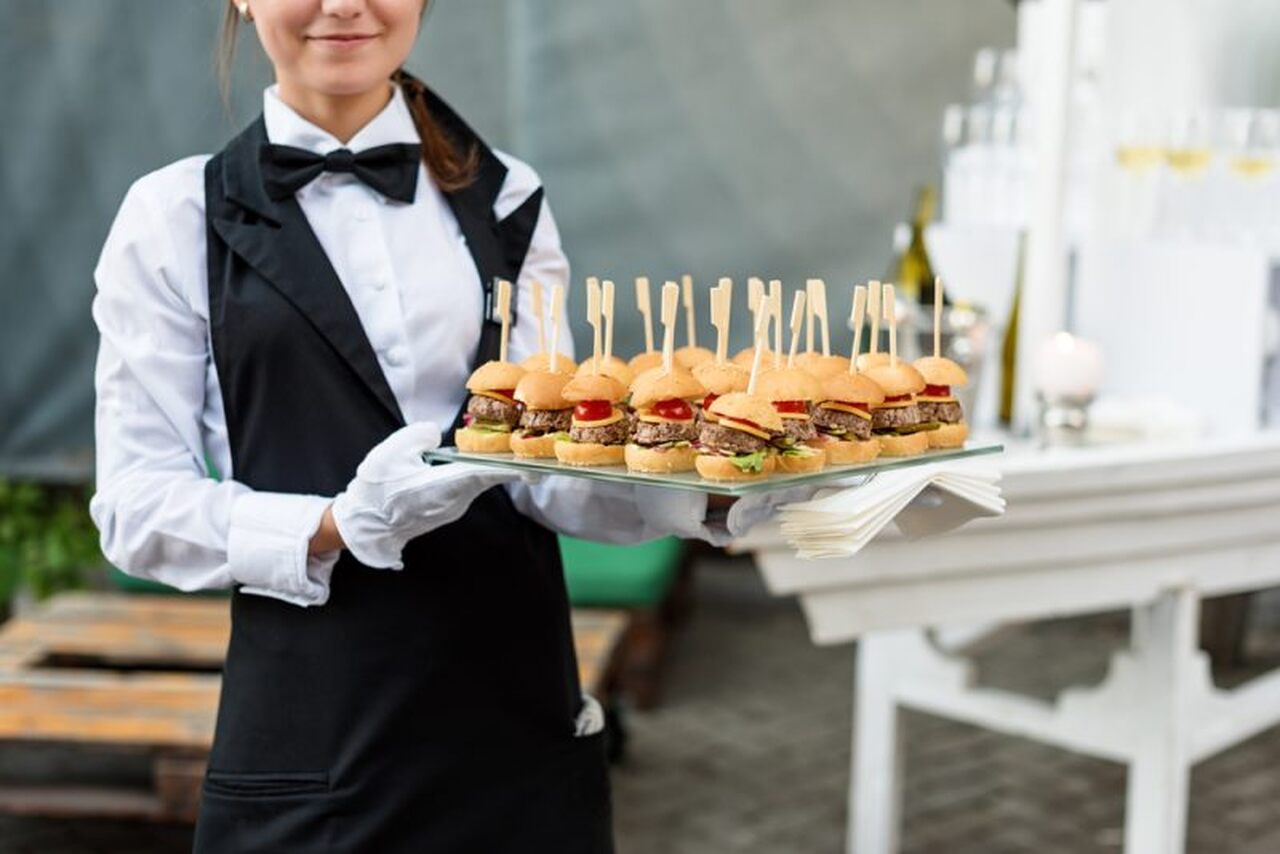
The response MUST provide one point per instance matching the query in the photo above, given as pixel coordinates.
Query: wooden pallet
(111, 671)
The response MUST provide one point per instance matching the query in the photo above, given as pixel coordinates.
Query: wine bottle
(914, 275)
(1009, 347)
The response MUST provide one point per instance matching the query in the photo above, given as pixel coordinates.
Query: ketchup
(593, 410)
(505, 392)
(798, 407)
(937, 391)
(708, 400)
(897, 398)
(674, 409)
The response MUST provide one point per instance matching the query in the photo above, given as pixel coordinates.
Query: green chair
(651, 581)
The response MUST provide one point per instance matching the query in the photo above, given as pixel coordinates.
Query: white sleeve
(613, 513)
(159, 514)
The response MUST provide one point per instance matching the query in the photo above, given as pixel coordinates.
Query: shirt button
(379, 283)
(397, 356)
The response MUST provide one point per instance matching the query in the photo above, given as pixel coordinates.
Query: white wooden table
(1148, 528)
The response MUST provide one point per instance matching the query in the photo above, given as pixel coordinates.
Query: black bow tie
(392, 170)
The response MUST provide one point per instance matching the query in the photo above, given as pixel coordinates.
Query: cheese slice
(843, 407)
(603, 422)
(931, 399)
(496, 396)
(897, 404)
(745, 428)
(652, 418)
(797, 416)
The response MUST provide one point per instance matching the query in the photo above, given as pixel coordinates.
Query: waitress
(303, 309)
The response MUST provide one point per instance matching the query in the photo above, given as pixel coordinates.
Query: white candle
(1068, 367)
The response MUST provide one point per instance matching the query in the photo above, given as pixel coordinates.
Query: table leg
(875, 795)
(1164, 638)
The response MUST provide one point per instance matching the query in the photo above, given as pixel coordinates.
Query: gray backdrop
(716, 137)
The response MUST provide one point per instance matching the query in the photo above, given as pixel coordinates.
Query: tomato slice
(505, 392)
(937, 391)
(897, 398)
(708, 400)
(674, 409)
(799, 407)
(593, 410)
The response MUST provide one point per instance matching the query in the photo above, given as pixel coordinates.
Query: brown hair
(450, 168)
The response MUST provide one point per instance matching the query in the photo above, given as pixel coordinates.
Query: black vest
(425, 710)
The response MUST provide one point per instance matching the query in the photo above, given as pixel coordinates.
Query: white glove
(397, 496)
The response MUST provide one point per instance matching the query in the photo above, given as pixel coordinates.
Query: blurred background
(1096, 181)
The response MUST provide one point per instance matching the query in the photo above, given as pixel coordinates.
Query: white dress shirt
(159, 405)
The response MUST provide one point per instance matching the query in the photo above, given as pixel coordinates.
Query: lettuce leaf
(489, 427)
(799, 451)
(749, 462)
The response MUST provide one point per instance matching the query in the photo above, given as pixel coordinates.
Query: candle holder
(1064, 419)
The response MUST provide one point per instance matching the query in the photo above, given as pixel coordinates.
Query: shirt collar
(285, 127)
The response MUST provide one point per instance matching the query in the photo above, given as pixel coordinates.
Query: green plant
(48, 542)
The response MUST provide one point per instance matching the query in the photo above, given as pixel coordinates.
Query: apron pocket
(265, 784)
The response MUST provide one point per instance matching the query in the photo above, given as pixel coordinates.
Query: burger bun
(534, 447)
(904, 446)
(716, 467)
(659, 460)
(588, 454)
(949, 436)
(473, 441)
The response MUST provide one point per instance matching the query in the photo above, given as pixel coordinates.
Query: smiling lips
(345, 40)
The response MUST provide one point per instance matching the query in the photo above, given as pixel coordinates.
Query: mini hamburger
(689, 356)
(719, 378)
(938, 405)
(492, 411)
(737, 444)
(599, 427)
(746, 357)
(867, 361)
(665, 427)
(612, 366)
(546, 414)
(895, 421)
(843, 418)
(541, 361)
(792, 393)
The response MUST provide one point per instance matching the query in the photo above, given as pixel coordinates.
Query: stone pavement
(750, 752)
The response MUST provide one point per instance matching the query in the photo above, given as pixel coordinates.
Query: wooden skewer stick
(557, 320)
(937, 316)
(504, 312)
(720, 304)
(642, 303)
(755, 295)
(606, 308)
(775, 308)
(760, 336)
(818, 304)
(798, 315)
(686, 283)
(891, 318)
(859, 317)
(873, 311)
(539, 314)
(670, 302)
(808, 316)
(593, 317)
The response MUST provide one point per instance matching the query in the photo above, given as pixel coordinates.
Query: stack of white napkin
(922, 500)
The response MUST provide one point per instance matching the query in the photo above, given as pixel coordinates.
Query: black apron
(426, 710)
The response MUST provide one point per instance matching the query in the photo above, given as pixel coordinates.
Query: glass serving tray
(691, 481)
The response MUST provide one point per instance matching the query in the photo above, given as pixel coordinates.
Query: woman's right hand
(397, 495)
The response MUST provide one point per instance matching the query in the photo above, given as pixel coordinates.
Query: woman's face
(336, 47)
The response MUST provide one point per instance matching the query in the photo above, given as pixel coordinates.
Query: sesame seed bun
(939, 370)
(613, 366)
(543, 390)
(897, 379)
(854, 388)
(788, 384)
(749, 407)
(593, 387)
(495, 374)
(722, 378)
(656, 384)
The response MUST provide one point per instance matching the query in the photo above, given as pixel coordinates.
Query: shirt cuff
(267, 545)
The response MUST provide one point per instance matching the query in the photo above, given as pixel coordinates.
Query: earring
(243, 6)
